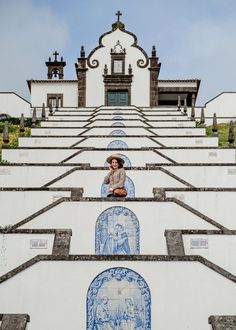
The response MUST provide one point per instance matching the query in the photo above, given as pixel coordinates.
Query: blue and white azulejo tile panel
(118, 144)
(117, 232)
(118, 299)
(118, 132)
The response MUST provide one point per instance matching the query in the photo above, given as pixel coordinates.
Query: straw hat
(117, 157)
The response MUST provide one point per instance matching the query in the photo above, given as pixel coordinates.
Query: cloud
(29, 33)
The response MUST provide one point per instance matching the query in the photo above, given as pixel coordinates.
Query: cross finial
(55, 54)
(118, 14)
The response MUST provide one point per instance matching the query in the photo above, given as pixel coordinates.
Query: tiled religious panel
(129, 186)
(117, 118)
(117, 144)
(117, 232)
(118, 124)
(126, 159)
(118, 298)
(117, 113)
(118, 132)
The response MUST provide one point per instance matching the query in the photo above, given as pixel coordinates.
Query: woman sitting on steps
(116, 177)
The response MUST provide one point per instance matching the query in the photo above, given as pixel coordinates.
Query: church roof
(38, 81)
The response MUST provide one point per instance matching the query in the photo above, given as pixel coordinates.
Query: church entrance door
(118, 97)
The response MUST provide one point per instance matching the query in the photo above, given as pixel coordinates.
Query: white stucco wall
(47, 141)
(11, 204)
(94, 79)
(220, 249)
(10, 243)
(206, 176)
(137, 158)
(220, 205)
(223, 105)
(189, 141)
(81, 217)
(193, 282)
(198, 176)
(14, 105)
(39, 91)
(29, 176)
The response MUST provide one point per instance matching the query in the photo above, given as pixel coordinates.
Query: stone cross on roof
(118, 14)
(55, 54)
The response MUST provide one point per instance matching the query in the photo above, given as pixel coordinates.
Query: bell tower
(56, 67)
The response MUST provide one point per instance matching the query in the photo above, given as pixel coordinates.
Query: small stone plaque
(38, 243)
(231, 171)
(48, 131)
(5, 171)
(55, 124)
(199, 141)
(23, 153)
(188, 132)
(36, 141)
(212, 154)
(180, 125)
(198, 243)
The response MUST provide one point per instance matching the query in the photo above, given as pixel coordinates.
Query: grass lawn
(223, 133)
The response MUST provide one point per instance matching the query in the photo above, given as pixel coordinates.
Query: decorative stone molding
(154, 73)
(159, 194)
(61, 245)
(93, 257)
(77, 194)
(14, 321)
(174, 241)
(224, 322)
(81, 71)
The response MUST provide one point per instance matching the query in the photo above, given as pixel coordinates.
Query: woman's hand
(111, 169)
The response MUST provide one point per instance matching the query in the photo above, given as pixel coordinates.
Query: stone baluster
(22, 125)
(193, 108)
(231, 136)
(214, 126)
(51, 110)
(202, 120)
(105, 70)
(33, 121)
(5, 135)
(179, 104)
(185, 107)
(43, 118)
(57, 105)
(130, 70)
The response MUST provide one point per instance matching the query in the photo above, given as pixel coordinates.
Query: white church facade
(161, 258)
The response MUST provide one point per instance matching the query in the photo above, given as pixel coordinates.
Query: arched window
(117, 232)
(117, 123)
(129, 186)
(126, 159)
(118, 132)
(118, 144)
(118, 298)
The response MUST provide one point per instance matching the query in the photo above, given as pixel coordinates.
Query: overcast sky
(194, 38)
